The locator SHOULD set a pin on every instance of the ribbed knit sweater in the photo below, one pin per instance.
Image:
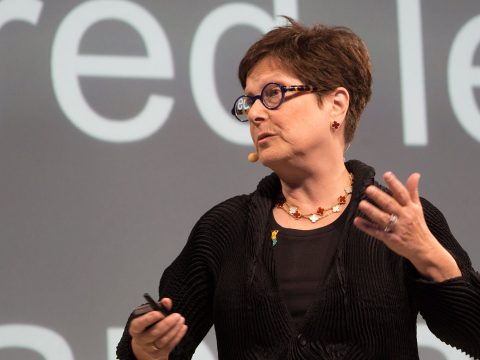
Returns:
(366, 309)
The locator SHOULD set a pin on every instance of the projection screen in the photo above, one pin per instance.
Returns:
(115, 137)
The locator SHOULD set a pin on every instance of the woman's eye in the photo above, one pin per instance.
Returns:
(273, 92)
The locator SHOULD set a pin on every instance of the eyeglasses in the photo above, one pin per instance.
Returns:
(272, 96)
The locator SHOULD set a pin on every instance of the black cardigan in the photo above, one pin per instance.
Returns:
(367, 308)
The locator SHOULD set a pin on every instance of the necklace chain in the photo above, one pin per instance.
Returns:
(321, 212)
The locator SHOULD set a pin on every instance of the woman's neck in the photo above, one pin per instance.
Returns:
(316, 186)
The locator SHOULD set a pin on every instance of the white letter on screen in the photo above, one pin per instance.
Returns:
(114, 334)
(68, 66)
(20, 10)
(412, 73)
(463, 77)
(426, 339)
(49, 344)
(202, 64)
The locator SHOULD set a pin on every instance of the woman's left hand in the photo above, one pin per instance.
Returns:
(397, 220)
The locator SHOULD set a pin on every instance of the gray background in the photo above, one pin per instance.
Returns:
(88, 225)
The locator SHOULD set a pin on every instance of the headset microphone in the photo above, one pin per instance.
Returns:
(252, 157)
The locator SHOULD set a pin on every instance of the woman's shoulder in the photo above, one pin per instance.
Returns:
(231, 210)
(238, 207)
(429, 208)
(434, 218)
(235, 204)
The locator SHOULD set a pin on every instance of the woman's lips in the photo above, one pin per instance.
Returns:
(263, 138)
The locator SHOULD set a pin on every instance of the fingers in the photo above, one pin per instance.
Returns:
(412, 187)
(403, 201)
(378, 216)
(160, 338)
(400, 193)
(396, 219)
(165, 326)
(371, 229)
(155, 335)
(138, 325)
(168, 337)
(365, 225)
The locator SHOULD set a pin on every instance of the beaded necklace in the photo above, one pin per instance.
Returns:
(321, 212)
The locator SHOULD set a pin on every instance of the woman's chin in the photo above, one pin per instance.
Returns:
(273, 161)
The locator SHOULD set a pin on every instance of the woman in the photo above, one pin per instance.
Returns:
(320, 262)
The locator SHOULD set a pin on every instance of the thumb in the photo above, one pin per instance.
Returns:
(167, 302)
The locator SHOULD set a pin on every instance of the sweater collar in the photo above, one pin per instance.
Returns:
(363, 176)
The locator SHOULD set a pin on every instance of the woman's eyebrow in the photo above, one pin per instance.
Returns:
(249, 93)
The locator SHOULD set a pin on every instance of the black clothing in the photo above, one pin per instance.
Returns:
(302, 260)
(367, 308)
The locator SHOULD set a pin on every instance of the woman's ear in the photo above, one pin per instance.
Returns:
(341, 101)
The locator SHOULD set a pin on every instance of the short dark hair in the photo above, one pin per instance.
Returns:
(324, 56)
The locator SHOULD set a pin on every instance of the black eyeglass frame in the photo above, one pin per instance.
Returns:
(284, 89)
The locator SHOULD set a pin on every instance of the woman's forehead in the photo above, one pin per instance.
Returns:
(267, 70)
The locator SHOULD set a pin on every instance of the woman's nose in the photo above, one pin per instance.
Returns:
(257, 112)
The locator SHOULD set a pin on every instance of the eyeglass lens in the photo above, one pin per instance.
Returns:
(271, 98)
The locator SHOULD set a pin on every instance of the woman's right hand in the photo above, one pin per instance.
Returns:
(156, 342)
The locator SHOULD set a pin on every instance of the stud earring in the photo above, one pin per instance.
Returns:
(335, 125)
